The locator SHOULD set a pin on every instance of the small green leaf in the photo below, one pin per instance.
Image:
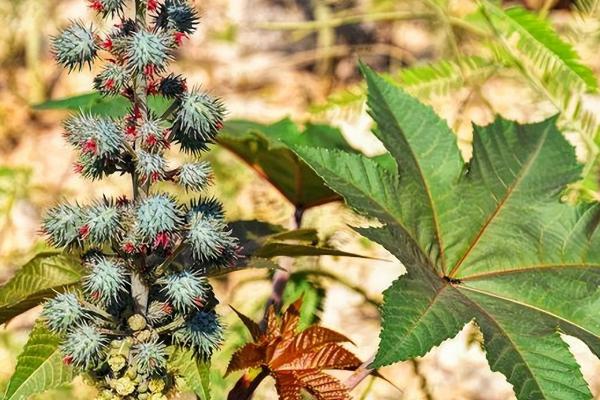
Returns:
(538, 43)
(303, 286)
(196, 373)
(39, 367)
(39, 279)
(262, 240)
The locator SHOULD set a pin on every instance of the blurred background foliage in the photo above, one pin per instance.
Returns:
(277, 59)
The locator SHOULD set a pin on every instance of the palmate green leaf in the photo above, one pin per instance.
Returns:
(486, 241)
(196, 373)
(39, 367)
(43, 276)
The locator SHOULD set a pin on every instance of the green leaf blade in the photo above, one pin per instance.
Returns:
(39, 279)
(39, 367)
(542, 45)
(524, 345)
(520, 263)
(427, 155)
(196, 373)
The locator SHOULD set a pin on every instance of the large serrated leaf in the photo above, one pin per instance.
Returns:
(488, 240)
(39, 367)
(40, 278)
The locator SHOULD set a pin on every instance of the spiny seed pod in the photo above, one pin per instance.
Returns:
(152, 134)
(84, 346)
(177, 15)
(75, 46)
(159, 311)
(148, 49)
(172, 86)
(106, 281)
(208, 207)
(62, 312)
(150, 357)
(156, 214)
(108, 7)
(61, 224)
(112, 80)
(75, 127)
(93, 167)
(184, 290)
(150, 167)
(207, 236)
(97, 136)
(103, 221)
(198, 119)
(229, 256)
(194, 176)
(202, 332)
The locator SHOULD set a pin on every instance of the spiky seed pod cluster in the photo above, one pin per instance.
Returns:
(76, 46)
(203, 332)
(198, 119)
(176, 15)
(107, 279)
(108, 7)
(122, 346)
(112, 80)
(194, 176)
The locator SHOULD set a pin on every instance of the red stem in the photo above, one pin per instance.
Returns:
(245, 386)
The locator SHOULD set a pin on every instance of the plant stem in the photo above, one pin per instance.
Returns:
(245, 386)
(281, 276)
(97, 310)
(139, 290)
(361, 373)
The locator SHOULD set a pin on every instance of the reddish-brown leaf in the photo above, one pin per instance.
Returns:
(250, 356)
(322, 386)
(296, 360)
(328, 356)
(252, 326)
(291, 319)
(272, 323)
(308, 340)
(288, 387)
